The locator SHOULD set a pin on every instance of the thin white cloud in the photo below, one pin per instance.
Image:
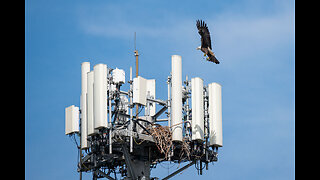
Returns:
(235, 35)
(244, 30)
(114, 21)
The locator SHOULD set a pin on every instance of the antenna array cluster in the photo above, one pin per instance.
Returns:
(114, 140)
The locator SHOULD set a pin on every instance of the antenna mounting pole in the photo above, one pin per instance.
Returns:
(136, 54)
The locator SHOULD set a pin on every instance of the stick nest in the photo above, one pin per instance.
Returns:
(163, 139)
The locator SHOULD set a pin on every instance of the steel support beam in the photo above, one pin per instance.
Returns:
(105, 175)
(179, 170)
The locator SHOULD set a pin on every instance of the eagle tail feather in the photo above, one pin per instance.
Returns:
(214, 59)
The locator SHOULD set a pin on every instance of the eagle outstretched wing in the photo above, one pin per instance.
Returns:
(204, 33)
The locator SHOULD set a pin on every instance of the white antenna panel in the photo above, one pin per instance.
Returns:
(124, 103)
(151, 90)
(90, 115)
(197, 109)
(71, 119)
(118, 76)
(215, 115)
(100, 96)
(139, 90)
(85, 68)
(176, 94)
(112, 87)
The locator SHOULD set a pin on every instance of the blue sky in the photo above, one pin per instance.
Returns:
(253, 39)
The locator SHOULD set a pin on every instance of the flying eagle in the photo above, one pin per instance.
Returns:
(206, 41)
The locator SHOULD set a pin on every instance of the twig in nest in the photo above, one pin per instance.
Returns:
(185, 150)
(163, 139)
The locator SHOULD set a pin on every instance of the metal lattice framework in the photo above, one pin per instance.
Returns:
(128, 145)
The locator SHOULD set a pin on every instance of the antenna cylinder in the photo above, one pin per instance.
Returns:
(176, 102)
(197, 109)
(90, 114)
(215, 115)
(85, 68)
(100, 96)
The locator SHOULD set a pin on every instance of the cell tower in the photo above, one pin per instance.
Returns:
(116, 144)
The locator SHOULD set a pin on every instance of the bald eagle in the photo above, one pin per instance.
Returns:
(206, 41)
